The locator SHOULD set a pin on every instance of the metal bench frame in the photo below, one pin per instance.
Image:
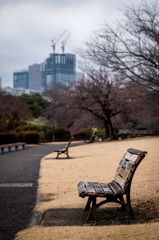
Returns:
(64, 151)
(115, 190)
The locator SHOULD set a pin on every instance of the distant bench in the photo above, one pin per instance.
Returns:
(65, 150)
(116, 190)
(91, 140)
(12, 147)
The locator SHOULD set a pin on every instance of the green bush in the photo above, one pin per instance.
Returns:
(19, 129)
(29, 137)
(81, 135)
(8, 137)
(58, 133)
(31, 127)
(21, 136)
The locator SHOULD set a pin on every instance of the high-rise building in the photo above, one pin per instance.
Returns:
(20, 79)
(60, 70)
(36, 76)
(57, 70)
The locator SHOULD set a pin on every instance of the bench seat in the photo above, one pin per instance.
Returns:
(12, 147)
(98, 189)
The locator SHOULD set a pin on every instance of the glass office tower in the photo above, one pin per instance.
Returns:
(36, 76)
(20, 79)
(60, 70)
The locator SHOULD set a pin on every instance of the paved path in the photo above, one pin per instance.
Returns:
(19, 173)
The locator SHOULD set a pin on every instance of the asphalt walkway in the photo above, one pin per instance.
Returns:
(19, 173)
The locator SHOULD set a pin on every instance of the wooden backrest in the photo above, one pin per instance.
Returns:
(92, 139)
(68, 144)
(127, 167)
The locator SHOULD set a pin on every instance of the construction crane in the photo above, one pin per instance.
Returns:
(55, 40)
(64, 42)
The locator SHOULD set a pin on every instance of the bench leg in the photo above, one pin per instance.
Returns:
(88, 205)
(123, 205)
(94, 208)
(67, 154)
(58, 153)
(128, 204)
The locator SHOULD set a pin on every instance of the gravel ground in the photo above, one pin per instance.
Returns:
(62, 215)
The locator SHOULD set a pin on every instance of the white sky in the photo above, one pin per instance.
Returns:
(28, 26)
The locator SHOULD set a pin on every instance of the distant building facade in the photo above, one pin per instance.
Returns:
(35, 75)
(60, 69)
(57, 70)
(19, 91)
(20, 79)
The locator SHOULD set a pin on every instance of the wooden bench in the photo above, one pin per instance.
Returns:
(117, 191)
(91, 140)
(12, 147)
(64, 151)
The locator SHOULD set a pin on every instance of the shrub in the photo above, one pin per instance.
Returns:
(19, 129)
(21, 137)
(58, 133)
(29, 137)
(8, 137)
(81, 135)
(32, 127)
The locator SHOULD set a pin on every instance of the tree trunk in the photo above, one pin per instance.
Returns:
(106, 129)
(111, 130)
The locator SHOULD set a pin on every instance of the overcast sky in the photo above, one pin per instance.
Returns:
(28, 26)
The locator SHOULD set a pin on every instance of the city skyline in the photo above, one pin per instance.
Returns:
(28, 26)
(57, 70)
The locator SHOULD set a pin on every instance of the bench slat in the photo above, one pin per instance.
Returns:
(115, 187)
(125, 169)
(124, 164)
(120, 181)
(131, 157)
(98, 188)
(136, 151)
(128, 165)
(106, 189)
(90, 189)
(121, 161)
(124, 173)
(81, 189)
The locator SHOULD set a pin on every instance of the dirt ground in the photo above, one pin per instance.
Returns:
(59, 210)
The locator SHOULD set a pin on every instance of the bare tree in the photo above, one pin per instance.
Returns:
(101, 97)
(142, 113)
(59, 112)
(131, 48)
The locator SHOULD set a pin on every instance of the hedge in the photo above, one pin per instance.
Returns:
(29, 137)
(8, 137)
(59, 134)
(29, 127)
(81, 135)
